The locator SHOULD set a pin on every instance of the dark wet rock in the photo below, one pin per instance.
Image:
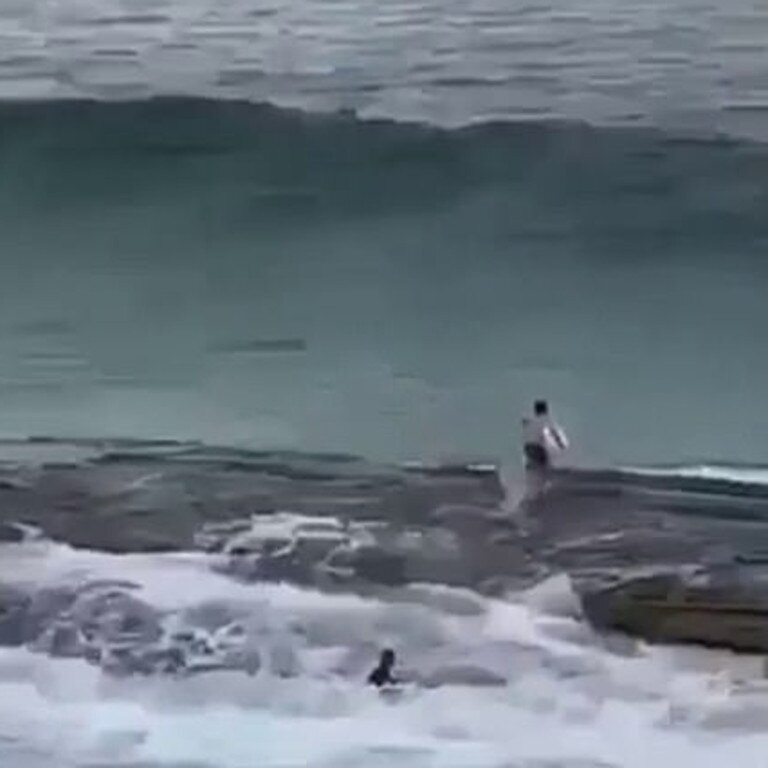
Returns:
(103, 585)
(13, 607)
(162, 660)
(63, 639)
(122, 496)
(295, 561)
(210, 615)
(233, 648)
(199, 645)
(457, 515)
(128, 661)
(12, 484)
(394, 557)
(243, 567)
(463, 674)
(284, 661)
(116, 616)
(45, 606)
(568, 667)
(497, 586)
(283, 565)
(378, 566)
(92, 654)
(707, 608)
(10, 533)
(216, 536)
(249, 660)
(125, 537)
(452, 601)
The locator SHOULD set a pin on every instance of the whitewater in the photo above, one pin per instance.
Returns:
(570, 702)
(515, 678)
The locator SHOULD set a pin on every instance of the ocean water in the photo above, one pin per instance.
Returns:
(686, 63)
(384, 228)
(238, 273)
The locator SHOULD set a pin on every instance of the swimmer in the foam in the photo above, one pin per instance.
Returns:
(382, 674)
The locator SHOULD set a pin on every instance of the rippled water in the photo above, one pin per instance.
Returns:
(690, 63)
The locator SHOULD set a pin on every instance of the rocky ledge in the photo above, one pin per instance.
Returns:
(325, 521)
(711, 607)
(666, 558)
(337, 522)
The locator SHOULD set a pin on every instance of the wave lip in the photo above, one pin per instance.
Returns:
(744, 475)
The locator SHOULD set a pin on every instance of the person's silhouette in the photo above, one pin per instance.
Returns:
(382, 674)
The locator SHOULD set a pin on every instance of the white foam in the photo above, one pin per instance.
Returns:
(565, 701)
(554, 596)
(168, 581)
(737, 474)
(448, 727)
(288, 528)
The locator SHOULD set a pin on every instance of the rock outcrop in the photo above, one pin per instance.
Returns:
(711, 608)
(340, 523)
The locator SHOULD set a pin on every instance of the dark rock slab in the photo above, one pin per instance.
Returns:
(129, 496)
(11, 534)
(13, 606)
(708, 608)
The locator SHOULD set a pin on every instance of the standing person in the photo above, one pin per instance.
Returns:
(542, 437)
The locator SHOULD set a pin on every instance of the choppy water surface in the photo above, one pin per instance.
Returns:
(687, 63)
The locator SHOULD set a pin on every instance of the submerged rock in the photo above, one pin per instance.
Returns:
(114, 615)
(98, 621)
(45, 606)
(284, 660)
(127, 661)
(211, 615)
(463, 674)
(13, 607)
(379, 566)
(63, 639)
(10, 533)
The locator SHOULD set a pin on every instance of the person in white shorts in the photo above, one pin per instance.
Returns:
(542, 438)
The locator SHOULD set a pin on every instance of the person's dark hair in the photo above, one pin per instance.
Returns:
(387, 657)
(540, 407)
